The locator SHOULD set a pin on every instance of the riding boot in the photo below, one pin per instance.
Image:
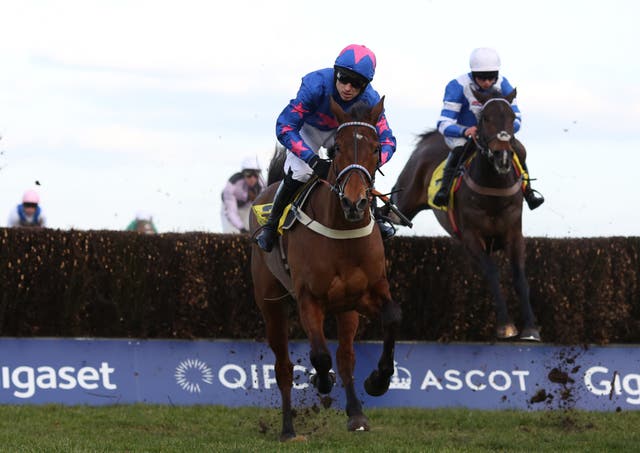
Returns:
(287, 189)
(531, 196)
(386, 229)
(441, 198)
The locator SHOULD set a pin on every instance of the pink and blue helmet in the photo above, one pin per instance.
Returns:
(358, 59)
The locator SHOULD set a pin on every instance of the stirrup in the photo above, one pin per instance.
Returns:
(533, 199)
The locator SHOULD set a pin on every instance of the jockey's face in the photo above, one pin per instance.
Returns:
(347, 91)
(29, 208)
(485, 84)
(250, 177)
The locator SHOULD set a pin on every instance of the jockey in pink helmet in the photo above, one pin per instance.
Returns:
(28, 213)
(306, 125)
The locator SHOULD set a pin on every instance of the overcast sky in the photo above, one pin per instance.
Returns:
(115, 106)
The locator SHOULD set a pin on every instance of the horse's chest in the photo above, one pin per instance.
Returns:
(348, 286)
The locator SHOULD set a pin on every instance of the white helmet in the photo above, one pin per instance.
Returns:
(250, 163)
(484, 59)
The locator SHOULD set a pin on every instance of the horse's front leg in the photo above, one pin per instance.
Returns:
(345, 356)
(378, 381)
(521, 286)
(505, 328)
(312, 319)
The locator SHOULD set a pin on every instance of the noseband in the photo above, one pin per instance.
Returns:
(344, 173)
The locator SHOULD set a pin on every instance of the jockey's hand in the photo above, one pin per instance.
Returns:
(470, 132)
(319, 166)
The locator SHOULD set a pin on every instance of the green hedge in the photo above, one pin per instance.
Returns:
(198, 285)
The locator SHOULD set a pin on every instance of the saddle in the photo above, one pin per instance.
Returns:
(288, 218)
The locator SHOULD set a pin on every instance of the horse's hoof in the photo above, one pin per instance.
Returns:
(323, 384)
(376, 385)
(506, 331)
(530, 334)
(358, 423)
(292, 437)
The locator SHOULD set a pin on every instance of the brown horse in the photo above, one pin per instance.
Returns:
(487, 207)
(337, 267)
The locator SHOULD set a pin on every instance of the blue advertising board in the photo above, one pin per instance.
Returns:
(241, 373)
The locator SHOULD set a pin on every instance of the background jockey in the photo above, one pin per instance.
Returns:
(238, 194)
(307, 124)
(28, 213)
(459, 117)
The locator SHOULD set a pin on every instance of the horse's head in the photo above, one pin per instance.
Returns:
(356, 156)
(495, 129)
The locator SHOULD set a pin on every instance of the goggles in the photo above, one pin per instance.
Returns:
(356, 81)
(486, 75)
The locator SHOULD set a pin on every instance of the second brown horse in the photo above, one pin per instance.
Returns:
(486, 210)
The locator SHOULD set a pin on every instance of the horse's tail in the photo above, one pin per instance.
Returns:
(276, 166)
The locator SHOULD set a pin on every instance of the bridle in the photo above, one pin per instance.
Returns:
(343, 176)
(503, 136)
(483, 142)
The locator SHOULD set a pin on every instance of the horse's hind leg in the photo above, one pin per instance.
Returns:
(347, 328)
(273, 300)
(276, 321)
(521, 286)
(378, 381)
(312, 319)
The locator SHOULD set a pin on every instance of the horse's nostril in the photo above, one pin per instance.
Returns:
(362, 204)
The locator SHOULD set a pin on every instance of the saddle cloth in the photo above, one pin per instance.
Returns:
(436, 180)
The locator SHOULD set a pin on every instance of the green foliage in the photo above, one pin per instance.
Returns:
(139, 428)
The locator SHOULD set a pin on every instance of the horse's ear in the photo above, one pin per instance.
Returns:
(511, 96)
(337, 111)
(377, 111)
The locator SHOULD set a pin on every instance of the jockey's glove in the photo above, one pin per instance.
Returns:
(319, 166)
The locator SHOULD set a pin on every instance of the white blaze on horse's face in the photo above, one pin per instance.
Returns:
(501, 161)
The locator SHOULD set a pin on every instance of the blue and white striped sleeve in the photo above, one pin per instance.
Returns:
(452, 104)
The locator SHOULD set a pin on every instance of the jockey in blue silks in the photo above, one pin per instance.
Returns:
(459, 117)
(28, 213)
(307, 124)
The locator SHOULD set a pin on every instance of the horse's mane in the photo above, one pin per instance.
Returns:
(275, 172)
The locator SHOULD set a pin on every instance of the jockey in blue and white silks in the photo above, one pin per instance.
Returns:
(458, 120)
(306, 124)
(461, 109)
